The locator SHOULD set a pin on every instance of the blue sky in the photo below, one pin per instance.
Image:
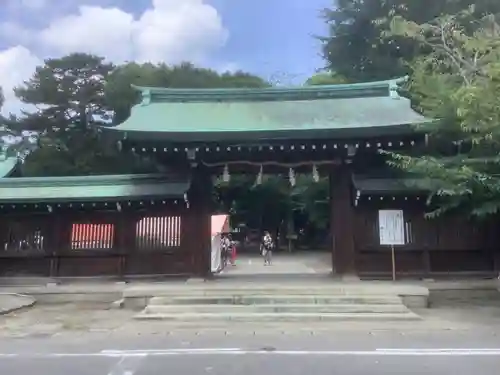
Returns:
(271, 38)
(274, 36)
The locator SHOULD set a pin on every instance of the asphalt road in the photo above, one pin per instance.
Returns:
(454, 353)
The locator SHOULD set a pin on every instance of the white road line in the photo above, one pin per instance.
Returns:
(64, 355)
(127, 365)
(139, 354)
(175, 351)
(439, 349)
(376, 352)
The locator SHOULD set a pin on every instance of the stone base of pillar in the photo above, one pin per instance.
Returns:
(350, 277)
(196, 280)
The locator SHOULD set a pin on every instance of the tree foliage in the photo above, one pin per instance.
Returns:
(68, 92)
(276, 205)
(458, 83)
(357, 48)
(326, 79)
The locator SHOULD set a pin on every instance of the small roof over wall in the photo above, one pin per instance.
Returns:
(367, 185)
(92, 188)
(402, 187)
(7, 165)
(14, 149)
(315, 112)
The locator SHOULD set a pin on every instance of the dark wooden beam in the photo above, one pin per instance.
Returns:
(197, 231)
(342, 221)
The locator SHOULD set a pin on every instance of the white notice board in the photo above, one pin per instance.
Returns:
(391, 227)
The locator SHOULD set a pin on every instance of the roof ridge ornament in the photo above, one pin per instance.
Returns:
(258, 180)
(394, 86)
(315, 173)
(146, 97)
(291, 177)
(226, 177)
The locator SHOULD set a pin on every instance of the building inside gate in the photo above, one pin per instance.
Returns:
(160, 224)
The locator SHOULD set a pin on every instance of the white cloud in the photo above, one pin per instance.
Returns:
(170, 31)
(16, 65)
(102, 31)
(176, 30)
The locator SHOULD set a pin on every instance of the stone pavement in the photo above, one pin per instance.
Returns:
(283, 264)
(85, 306)
(86, 319)
(97, 320)
(11, 302)
(255, 266)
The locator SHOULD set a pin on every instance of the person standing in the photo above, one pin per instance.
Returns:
(267, 246)
(233, 252)
(225, 249)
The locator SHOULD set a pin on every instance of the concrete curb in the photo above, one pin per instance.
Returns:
(279, 317)
(10, 302)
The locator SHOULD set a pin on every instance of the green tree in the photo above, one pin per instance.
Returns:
(325, 79)
(356, 48)
(68, 93)
(275, 204)
(458, 83)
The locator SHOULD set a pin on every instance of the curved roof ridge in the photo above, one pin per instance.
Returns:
(350, 90)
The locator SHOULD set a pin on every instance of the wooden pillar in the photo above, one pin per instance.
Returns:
(492, 239)
(125, 226)
(188, 248)
(199, 221)
(54, 244)
(4, 230)
(342, 221)
(63, 241)
(426, 260)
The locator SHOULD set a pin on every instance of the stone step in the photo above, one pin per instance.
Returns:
(25, 281)
(284, 289)
(268, 291)
(204, 318)
(249, 299)
(257, 292)
(276, 308)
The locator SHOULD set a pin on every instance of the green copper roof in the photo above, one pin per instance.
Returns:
(91, 188)
(198, 115)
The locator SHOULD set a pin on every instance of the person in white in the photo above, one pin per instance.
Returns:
(267, 246)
